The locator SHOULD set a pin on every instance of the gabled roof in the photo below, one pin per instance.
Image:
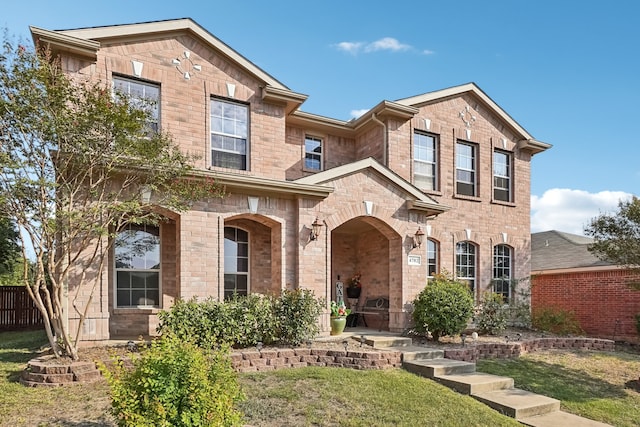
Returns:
(555, 250)
(526, 143)
(417, 199)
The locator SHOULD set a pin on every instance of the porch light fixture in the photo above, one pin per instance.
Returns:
(417, 238)
(315, 229)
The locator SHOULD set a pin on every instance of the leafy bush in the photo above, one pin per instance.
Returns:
(297, 313)
(444, 307)
(175, 383)
(243, 321)
(492, 314)
(556, 320)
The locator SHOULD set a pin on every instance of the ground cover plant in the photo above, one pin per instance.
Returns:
(333, 396)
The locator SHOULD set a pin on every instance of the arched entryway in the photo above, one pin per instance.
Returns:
(252, 255)
(372, 249)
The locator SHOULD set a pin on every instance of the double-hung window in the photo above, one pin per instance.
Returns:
(466, 167)
(229, 134)
(502, 271)
(466, 264)
(501, 176)
(142, 95)
(425, 165)
(312, 153)
(137, 266)
(432, 258)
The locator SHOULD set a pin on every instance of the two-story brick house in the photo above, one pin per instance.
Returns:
(310, 198)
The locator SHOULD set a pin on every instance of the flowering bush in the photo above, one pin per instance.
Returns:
(339, 310)
(355, 282)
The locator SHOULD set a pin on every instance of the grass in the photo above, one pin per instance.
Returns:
(589, 384)
(601, 386)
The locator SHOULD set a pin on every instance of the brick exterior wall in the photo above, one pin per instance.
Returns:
(282, 257)
(602, 301)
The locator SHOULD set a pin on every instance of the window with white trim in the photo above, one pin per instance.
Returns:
(466, 264)
(137, 266)
(425, 167)
(466, 177)
(432, 258)
(142, 95)
(502, 176)
(229, 134)
(312, 153)
(502, 271)
(236, 262)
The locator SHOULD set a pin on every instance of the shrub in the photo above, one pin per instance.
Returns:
(444, 307)
(175, 383)
(492, 314)
(297, 313)
(243, 321)
(556, 320)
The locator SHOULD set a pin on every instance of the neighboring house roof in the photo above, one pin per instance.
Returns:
(418, 200)
(555, 250)
(527, 142)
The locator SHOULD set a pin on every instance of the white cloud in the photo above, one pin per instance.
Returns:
(428, 52)
(351, 47)
(569, 210)
(357, 113)
(386, 43)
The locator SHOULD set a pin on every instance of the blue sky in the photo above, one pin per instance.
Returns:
(567, 71)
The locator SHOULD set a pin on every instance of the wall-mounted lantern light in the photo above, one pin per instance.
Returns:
(315, 229)
(417, 238)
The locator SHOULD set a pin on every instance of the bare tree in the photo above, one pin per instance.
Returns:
(75, 161)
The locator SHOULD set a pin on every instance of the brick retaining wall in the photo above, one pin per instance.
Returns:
(266, 360)
(474, 352)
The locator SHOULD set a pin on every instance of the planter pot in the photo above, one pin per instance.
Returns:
(338, 324)
(353, 292)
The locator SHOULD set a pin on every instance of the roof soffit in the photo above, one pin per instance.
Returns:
(416, 198)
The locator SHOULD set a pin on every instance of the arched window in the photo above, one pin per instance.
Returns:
(236, 262)
(502, 271)
(137, 266)
(432, 258)
(466, 264)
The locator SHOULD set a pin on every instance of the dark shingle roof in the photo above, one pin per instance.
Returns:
(552, 250)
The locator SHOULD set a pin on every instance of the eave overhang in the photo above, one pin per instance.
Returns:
(533, 146)
(58, 42)
(252, 184)
(291, 100)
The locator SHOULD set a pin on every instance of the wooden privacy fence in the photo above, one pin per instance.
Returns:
(17, 309)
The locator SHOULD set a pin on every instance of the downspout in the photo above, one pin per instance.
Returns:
(384, 138)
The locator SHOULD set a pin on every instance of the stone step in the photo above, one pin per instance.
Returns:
(438, 367)
(518, 403)
(560, 419)
(419, 353)
(475, 382)
(387, 341)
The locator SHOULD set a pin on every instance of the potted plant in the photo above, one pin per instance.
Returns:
(339, 313)
(354, 287)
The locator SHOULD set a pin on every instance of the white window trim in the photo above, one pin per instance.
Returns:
(248, 258)
(320, 139)
(435, 163)
(247, 153)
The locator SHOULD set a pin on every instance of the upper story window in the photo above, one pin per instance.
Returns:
(425, 167)
(432, 258)
(466, 167)
(312, 153)
(229, 134)
(466, 264)
(502, 176)
(142, 95)
(137, 266)
(502, 271)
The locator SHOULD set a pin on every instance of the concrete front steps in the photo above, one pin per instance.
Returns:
(495, 391)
